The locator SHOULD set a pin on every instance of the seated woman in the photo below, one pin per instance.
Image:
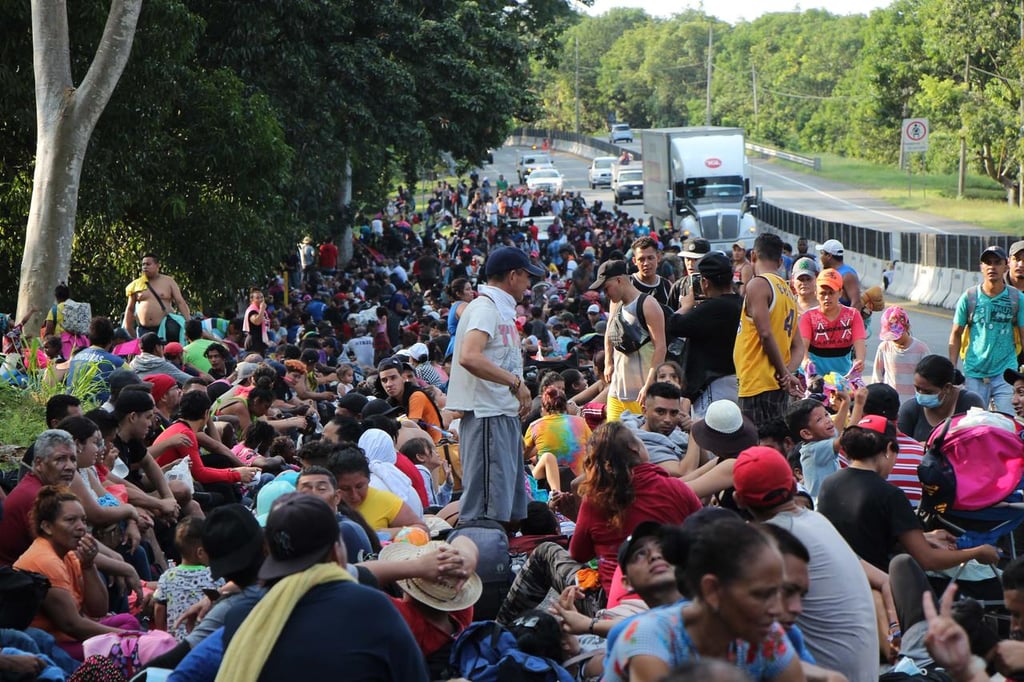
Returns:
(75, 608)
(621, 489)
(732, 574)
(937, 396)
(555, 440)
(392, 473)
(384, 511)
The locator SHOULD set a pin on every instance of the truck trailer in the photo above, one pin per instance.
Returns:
(696, 180)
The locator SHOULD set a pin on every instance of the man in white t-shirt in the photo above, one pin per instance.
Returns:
(487, 386)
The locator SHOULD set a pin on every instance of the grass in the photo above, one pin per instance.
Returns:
(984, 204)
(24, 418)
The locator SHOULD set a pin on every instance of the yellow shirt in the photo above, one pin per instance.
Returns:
(754, 370)
(380, 508)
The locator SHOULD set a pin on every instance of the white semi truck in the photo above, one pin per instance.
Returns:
(696, 180)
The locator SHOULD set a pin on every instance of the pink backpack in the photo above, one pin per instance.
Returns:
(130, 651)
(971, 467)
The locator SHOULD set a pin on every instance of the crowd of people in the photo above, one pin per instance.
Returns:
(594, 451)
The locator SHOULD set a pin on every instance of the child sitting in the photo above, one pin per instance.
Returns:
(256, 441)
(182, 586)
(810, 423)
(428, 460)
(898, 353)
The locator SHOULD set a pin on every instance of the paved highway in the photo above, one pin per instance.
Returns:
(930, 324)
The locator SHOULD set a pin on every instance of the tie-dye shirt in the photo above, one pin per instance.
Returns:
(563, 435)
(660, 633)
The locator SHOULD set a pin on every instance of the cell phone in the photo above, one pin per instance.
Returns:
(697, 285)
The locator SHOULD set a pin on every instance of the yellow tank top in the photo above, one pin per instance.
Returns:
(753, 368)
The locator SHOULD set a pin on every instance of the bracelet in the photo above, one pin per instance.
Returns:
(514, 388)
(593, 622)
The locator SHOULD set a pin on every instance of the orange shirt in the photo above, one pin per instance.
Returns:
(64, 574)
(421, 409)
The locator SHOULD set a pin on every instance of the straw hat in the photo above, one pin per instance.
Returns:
(436, 595)
(436, 525)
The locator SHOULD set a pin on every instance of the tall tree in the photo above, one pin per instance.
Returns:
(65, 119)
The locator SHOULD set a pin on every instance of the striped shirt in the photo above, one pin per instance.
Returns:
(895, 366)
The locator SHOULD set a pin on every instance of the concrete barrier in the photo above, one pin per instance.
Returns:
(926, 277)
(903, 280)
(940, 290)
(960, 282)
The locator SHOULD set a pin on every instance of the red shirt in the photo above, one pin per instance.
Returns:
(328, 256)
(15, 533)
(660, 497)
(429, 637)
(200, 471)
(405, 465)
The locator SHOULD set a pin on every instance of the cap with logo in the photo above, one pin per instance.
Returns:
(608, 270)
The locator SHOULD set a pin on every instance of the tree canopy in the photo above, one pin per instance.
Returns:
(235, 127)
(809, 81)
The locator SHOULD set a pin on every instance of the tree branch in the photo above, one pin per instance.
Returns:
(108, 64)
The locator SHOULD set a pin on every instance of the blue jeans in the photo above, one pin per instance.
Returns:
(993, 389)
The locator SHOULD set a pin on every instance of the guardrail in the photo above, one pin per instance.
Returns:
(582, 141)
(809, 161)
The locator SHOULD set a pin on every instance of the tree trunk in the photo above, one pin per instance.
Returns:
(65, 119)
(345, 248)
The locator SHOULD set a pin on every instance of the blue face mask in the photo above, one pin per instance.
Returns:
(927, 400)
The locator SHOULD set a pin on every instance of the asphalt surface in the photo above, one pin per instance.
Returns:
(794, 191)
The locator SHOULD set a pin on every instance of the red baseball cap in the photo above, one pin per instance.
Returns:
(173, 348)
(762, 478)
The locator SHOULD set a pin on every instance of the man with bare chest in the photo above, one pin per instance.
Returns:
(151, 298)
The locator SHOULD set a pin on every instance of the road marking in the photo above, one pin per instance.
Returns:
(761, 169)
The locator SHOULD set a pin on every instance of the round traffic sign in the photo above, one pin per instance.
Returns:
(916, 130)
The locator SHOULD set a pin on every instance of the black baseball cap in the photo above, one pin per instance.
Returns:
(645, 529)
(715, 266)
(695, 247)
(609, 269)
(996, 251)
(232, 538)
(353, 402)
(378, 406)
(301, 529)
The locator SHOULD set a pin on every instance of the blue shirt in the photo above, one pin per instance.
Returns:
(818, 460)
(991, 349)
(105, 364)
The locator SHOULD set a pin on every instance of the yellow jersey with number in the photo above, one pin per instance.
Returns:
(754, 370)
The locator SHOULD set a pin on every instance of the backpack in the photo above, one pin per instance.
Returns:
(494, 564)
(77, 316)
(486, 652)
(676, 349)
(21, 595)
(969, 467)
(972, 303)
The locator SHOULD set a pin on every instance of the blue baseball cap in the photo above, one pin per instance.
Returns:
(507, 258)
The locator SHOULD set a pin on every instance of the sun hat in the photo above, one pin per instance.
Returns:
(435, 594)
(724, 430)
(762, 478)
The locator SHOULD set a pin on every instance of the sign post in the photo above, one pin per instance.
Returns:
(913, 138)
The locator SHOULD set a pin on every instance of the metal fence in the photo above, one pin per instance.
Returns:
(870, 242)
(585, 140)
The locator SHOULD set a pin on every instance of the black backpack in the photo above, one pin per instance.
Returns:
(21, 595)
(676, 349)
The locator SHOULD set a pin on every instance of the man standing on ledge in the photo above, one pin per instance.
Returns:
(150, 298)
(487, 386)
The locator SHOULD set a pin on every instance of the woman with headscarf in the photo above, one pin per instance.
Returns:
(384, 474)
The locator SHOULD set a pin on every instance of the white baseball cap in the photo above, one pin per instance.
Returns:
(832, 246)
(594, 308)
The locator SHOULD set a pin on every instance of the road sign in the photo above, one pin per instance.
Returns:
(915, 135)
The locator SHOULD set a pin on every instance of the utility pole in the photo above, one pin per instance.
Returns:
(753, 85)
(577, 85)
(708, 114)
(961, 180)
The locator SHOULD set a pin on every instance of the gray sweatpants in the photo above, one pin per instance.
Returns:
(493, 482)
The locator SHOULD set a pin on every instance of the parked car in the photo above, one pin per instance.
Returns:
(546, 180)
(621, 132)
(628, 184)
(601, 171)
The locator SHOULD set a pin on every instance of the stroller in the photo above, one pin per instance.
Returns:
(971, 482)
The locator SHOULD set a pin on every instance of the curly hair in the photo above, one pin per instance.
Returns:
(612, 452)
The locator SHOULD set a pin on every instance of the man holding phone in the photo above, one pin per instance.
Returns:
(709, 315)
